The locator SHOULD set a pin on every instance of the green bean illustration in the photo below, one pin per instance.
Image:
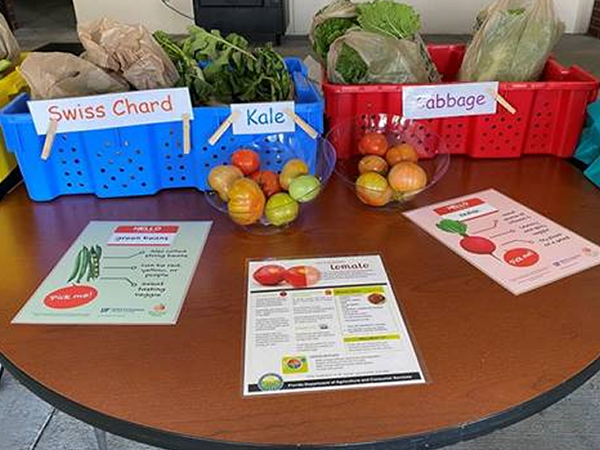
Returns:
(86, 257)
(87, 264)
(76, 268)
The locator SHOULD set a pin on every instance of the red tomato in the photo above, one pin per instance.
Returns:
(268, 182)
(302, 276)
(269, 275)
(373, 144)
(246, 160)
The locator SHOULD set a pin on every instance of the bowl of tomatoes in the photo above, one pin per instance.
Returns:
(393, 159)
(268, 183)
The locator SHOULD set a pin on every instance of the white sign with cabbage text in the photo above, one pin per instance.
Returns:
(449, 100)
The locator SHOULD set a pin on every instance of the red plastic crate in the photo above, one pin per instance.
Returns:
(550, 113)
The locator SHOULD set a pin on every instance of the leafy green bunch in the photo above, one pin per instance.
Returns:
(226, 69)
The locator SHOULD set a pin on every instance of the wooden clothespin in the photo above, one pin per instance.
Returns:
(223, 128)
(187, 138)
(302, 124)
(50, 135)
(510, 108)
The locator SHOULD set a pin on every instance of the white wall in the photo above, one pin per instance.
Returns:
(152, 13)
(453, 16)
(438, 16)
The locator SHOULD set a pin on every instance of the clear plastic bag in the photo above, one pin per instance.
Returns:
(61, 75)
(330, 23)
(129, 50)
(362, 57)
(9, 47)
(512, 41)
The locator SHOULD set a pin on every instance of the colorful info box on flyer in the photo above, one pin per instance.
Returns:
(322, 324)
(120, 273)
(517, 247)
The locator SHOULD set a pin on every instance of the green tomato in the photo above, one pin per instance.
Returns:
(281, 209)
(305, 188)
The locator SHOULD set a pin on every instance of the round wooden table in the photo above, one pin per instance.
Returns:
(492, 358)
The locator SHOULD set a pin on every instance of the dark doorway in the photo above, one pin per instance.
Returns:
(44, 14)
(595, 23)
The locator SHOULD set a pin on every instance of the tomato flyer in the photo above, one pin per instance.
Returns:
(120, 273)
(517, 247)
(322, 324)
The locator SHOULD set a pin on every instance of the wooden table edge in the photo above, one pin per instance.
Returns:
(431, 440)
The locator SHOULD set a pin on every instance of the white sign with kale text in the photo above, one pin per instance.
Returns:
(263, 118)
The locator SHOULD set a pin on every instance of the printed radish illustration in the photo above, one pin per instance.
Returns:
(477, 245)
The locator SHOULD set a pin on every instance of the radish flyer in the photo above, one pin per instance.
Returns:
(515, 246)
(323, 324)
(120, 273)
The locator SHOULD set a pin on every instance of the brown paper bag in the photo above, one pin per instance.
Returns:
(129, 50)
(60, 75)
(9, 47)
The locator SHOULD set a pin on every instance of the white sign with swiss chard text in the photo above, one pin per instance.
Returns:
(263, 118)
(124, 109)
(450, 100)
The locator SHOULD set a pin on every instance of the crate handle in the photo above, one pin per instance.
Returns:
(187, 142)
(500, 99)
(50, 135)
(302, 124)
(223, 128)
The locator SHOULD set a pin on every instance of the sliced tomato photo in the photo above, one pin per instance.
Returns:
(302, 276)
(270, 275)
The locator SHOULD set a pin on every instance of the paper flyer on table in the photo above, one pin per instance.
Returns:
(322, 324)
(120, 273)
(517, 247)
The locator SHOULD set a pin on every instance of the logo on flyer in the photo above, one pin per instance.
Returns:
(295, 364)
(270, 382)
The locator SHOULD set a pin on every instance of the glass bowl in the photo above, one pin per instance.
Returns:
(427, 145)
(274, 214)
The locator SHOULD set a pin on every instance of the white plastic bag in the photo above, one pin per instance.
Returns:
(362, 57)
(512, 42)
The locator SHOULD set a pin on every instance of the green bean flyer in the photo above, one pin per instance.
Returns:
(120, 273)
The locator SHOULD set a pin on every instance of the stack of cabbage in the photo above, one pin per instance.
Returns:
(512, 41)
(374, 42)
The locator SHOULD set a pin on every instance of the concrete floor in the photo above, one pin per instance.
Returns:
(573, 424)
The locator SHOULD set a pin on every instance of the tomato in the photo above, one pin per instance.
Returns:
(372, 163)
(268, 181)
(302, 276)
(305, 188)
(373, 189)
(281, 209)
(292, 169)
(246, 160)
(221, 179)
(271, 275)
(407, 177)
(246, 202)
(401, 153)
(373, 144)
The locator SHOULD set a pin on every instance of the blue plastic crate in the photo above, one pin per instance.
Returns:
(144, 159)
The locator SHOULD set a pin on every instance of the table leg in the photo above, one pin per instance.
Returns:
(1, 372)
(101, 439)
